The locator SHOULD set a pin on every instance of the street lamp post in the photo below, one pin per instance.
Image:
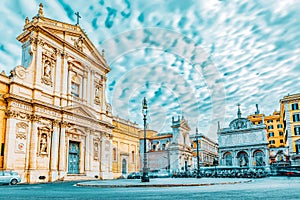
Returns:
(145, 177)
(198, 163)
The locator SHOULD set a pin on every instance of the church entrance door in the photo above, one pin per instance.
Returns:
(73, 161)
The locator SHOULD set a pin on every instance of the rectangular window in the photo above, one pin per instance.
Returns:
(271, 134)
(279, 125)
(295, 106)
(75, 89)
(270, 127)
(281, 141)
(296, 117)
(297, 130)
(269, 121)
(272, 142)
(280, 133)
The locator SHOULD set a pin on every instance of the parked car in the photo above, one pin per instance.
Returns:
(134, 175)
(9, 177)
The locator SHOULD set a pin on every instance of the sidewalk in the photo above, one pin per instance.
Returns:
(162, 182)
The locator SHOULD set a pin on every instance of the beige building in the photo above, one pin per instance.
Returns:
(170, 150)
(290, 113)
(208, 150)
(125, 152)
(58, 123)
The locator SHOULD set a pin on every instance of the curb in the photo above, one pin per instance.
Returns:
(159, 185)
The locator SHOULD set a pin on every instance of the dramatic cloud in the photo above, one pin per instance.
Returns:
(192, 58)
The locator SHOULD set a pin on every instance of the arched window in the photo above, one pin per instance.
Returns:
(259, 158)
(228, 159)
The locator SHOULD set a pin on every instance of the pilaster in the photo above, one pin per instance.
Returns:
(54, 152)
(288, 128)
(62, 149)
(10, 143)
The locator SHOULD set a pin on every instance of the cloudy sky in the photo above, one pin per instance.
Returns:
(198, 59)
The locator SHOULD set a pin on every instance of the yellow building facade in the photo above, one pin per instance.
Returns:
(4, 80)
(277, 143)
(126, 145)
(275, 128)
(290, 113)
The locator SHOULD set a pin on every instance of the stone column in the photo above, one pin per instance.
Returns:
(54, 152)
(110, 156)
(57, 79)
(33, 149)
(82, 158)
(38, 64)
(62, 150)
(69, 85)
(88, 87)
(10, 143)
(267, 156)
(88, 150)
(234, 161)
(92, 94)
(84, 86)
(250, 155)
(102, 155)
(64, 81)
(33, 143)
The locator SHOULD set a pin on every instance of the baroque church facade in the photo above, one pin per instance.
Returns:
(169, 151)
(57, 120)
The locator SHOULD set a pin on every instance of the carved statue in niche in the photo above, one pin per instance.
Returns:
(43, 143)
(47, 71)
(97, 95)
(98, 88)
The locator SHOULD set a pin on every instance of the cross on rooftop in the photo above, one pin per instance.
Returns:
(78, 16)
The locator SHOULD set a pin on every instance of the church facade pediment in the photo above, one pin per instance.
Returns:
(78, 110)
(68, 35)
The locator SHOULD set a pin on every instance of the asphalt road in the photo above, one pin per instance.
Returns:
(282, 188)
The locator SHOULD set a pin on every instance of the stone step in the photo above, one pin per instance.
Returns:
(78, 177)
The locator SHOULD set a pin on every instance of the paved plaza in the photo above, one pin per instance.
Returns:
(163, 182)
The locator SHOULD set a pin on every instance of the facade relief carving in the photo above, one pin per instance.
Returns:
(21, 137)
(78, 43)
(20, 72)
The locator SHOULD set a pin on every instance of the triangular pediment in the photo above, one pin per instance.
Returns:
(78, 110)
(70, 36)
